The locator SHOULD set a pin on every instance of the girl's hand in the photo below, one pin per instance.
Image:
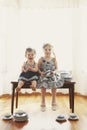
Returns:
(30, 68)
(25, 70)
(52, 72)
(42, 73)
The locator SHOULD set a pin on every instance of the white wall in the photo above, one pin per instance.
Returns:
(22, 26)
(26, 27)
(80, 49)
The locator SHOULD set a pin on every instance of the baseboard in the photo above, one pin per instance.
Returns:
(38, 94)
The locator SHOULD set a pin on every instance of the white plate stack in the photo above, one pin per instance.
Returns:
(20, 116)
(66, 75)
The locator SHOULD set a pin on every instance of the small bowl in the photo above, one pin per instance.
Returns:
(7, 115)
(73, 115)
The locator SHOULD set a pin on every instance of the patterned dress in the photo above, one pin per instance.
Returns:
(50, 80)
(29, 75)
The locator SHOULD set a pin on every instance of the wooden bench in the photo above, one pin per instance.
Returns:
(67, 85)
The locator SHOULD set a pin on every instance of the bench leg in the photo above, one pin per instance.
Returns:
(70, 97)
(16, 99)
(12, 101)
(73, 99)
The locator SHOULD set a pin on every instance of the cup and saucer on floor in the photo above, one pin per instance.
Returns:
(7, 116)
(61, 118)
(21, 116)
(73, 117)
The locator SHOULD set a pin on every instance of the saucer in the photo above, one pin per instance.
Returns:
(61, 118)
(7, 118)
(73, 116)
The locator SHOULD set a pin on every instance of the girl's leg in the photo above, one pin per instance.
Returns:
(54, 105)
(20, 84)
(33, 85)
(43, 93)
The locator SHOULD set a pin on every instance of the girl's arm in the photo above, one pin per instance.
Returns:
(39, 65)
(56, 65)
(23, 67)
(55, 61)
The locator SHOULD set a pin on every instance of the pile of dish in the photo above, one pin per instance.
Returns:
(73, 116)
(66, 75)
(20, 116)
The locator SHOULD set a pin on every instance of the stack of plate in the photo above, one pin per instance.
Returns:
(73, 116)
(61, 118)
(67, 76)
(20, 116)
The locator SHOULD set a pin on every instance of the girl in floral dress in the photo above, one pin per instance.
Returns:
(49, 79)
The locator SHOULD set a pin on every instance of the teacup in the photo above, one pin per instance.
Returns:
(61, 116)
(7, 115)
(73, 115)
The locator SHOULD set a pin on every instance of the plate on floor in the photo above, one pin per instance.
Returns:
(7, 118)
(61, 118)
(73, 116)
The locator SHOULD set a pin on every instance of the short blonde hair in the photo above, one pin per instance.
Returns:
(47, 44)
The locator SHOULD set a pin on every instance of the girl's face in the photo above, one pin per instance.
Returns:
(47, 50)
(30, 55)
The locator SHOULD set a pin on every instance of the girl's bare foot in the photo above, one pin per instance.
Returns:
(43, 107)
(54, 106)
